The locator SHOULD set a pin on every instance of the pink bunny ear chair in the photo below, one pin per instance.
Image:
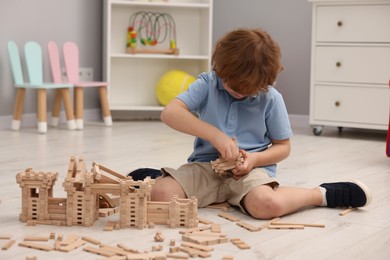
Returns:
(71, 58)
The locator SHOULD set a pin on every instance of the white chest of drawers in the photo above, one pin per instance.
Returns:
(350, 64)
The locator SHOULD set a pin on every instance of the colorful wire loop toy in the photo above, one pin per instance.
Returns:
(151, 29)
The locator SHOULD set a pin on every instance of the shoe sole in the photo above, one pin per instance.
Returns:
(366, 190)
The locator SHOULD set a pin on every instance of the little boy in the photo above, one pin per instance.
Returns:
(237, 100)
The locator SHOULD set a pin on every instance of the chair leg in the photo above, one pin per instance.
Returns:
(55, 114)
(78, 107)
(41, 110)
(105, 107)
(18, 108)
(68, 108)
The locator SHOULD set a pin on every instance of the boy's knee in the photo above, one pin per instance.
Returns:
(165, 188)
(264, 208)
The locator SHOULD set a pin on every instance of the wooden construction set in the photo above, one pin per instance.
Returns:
(88, 191)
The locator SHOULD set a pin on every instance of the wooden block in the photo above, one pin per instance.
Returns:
(286, 226)
(266, 224)
(227, 257)
(248, 226)
(91, 240)
(204, 221)
(32, 238)
(116, 250)
(35, 246)
(190, 230)
(197, 246)
(228, 216)
(8, 244)
(195, 252)
(109, 226)
(74, 245)
(5, 237)
(346, 211)
(131, 250)
(70, 239)
(98, 251)
(177, 256)
(301, 224)
(215, 228)
(31, 257)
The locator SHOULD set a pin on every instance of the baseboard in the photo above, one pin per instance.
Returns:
(30, 120)
(94, 115)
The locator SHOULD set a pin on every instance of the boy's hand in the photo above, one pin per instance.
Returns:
(245, 167)
(226, 146)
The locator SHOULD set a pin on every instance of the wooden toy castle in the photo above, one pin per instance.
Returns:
(89, 191)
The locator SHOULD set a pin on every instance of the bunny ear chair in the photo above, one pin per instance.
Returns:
(71, 60)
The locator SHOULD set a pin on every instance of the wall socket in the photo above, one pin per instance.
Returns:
(85, 74)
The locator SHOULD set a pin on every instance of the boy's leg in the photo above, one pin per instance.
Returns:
(264, 202)
(165, 188)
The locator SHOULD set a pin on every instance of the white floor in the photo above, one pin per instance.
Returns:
(362, 234)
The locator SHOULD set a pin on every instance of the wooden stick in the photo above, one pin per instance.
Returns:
(272, 226)
(265, 225)
(32, 238)
(8, 244)
(346, 211)
(91, 240)
(300, 224)
(35, 246)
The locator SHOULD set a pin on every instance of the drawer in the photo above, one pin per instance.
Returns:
(352, 64)
(351, 104)
(356, 23)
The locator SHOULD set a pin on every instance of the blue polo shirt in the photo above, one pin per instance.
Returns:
(253, 120)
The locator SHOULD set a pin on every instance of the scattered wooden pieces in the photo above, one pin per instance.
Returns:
(346, 211)
(71, 246)
(8, 244)
(272, 226)
(239, 243)
(159, 237)
(299, 224)
(248, 226)
(91, 240)
(266, 224)
(33, 238)
(35, 246)
(204, 221)
(228, 216)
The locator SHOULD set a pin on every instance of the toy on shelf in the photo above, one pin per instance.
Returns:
(150, 29)
(87, 190)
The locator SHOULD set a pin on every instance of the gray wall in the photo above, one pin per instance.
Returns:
(289, 22)
(44, 20)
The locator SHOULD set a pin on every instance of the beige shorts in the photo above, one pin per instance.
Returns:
(199, 179)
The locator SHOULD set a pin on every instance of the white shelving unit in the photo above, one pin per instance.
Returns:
(133, 77)
(350, 66)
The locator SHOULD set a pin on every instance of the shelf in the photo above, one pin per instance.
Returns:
(133, 77)
(159, 56)
(160, 4)
(137, 108)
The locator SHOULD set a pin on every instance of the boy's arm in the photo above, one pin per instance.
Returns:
(177, 115)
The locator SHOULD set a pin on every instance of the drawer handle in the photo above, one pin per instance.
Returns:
(337, 103)
(339, 23)
(338, 64)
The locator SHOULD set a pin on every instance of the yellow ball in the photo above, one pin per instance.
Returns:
(172, 84)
